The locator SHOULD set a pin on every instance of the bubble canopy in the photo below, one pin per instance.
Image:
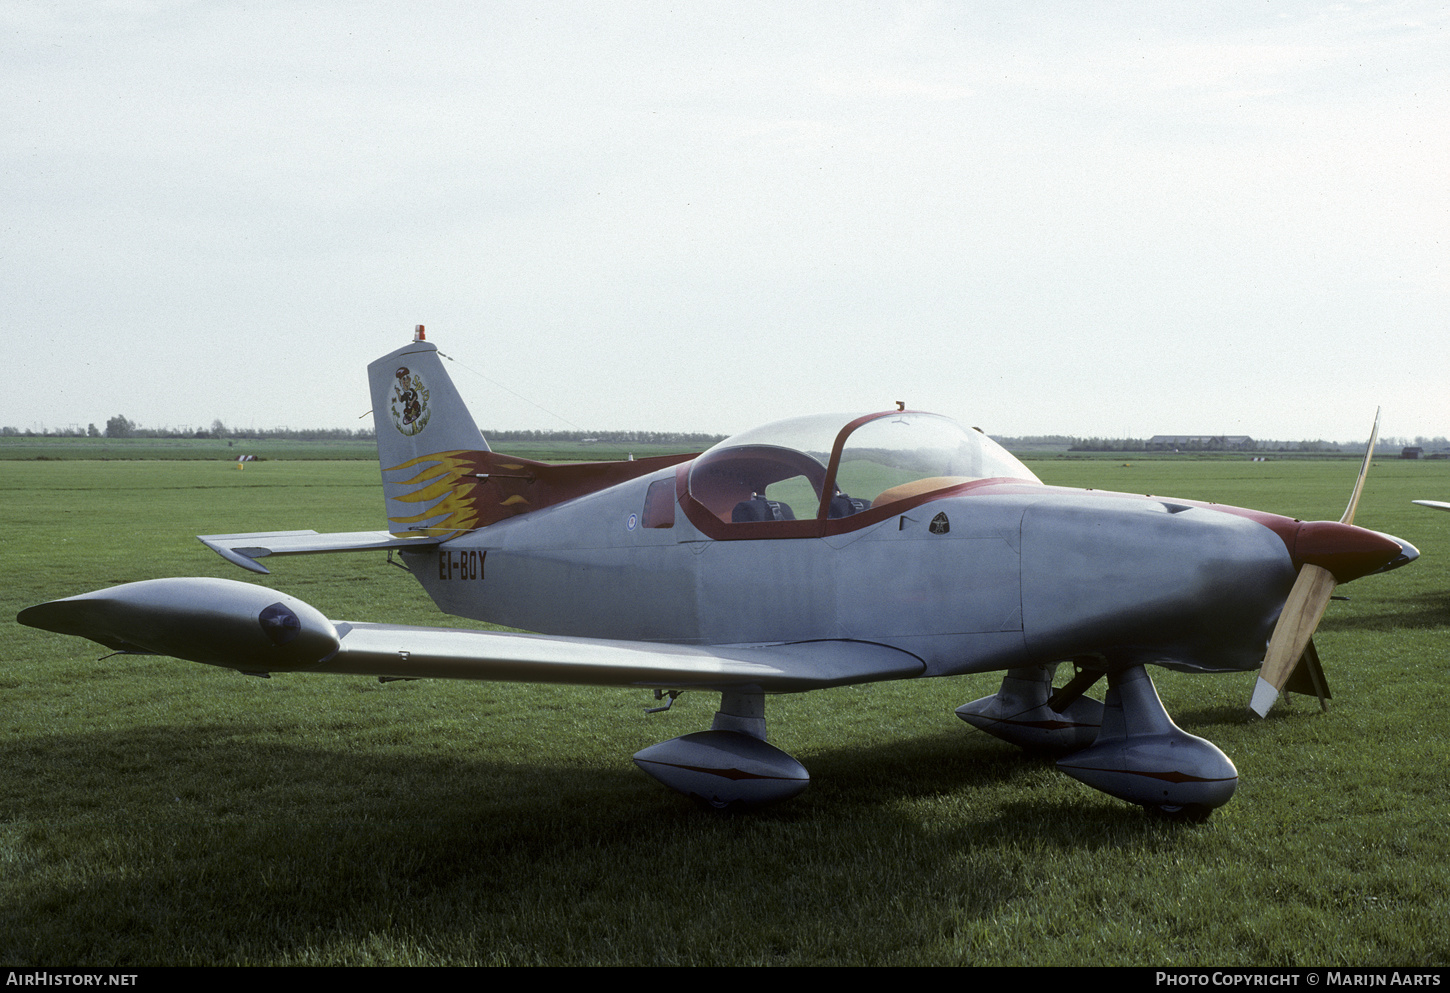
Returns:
(829, 473)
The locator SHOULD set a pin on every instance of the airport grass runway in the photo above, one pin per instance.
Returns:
(166, 813)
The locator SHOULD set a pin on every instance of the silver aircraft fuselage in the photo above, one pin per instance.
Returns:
(1033, 575)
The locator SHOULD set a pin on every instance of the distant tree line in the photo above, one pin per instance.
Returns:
(121, 426)
(1384, 446)
(694, 439)
(1107, 445)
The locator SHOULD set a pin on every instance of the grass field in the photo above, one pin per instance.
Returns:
(161, 812)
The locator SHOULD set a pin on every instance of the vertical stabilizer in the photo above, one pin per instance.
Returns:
(425, 434)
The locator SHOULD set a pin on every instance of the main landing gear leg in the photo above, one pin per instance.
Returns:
(1019, 714)
(1143, 757)
(731, 765)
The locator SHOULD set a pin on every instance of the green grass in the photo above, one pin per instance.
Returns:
(160, 812)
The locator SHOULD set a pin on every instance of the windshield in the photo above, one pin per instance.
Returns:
(905, 454)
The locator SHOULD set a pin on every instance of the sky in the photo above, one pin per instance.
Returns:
(1112, 219)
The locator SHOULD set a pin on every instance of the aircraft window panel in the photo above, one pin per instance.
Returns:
(725, 480)
(718, 492)
(796, 493)
(659, 504)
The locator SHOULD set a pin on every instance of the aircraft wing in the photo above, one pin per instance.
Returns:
(1437, 504)
(245, 549)
(444, 653)
(258, 630)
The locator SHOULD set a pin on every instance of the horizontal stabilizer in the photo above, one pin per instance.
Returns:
(245, 549)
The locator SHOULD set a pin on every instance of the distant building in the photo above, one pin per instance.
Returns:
(1200, 443)
(1411, 452)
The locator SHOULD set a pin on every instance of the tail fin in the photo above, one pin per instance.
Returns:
(439, 475)
(425, 438)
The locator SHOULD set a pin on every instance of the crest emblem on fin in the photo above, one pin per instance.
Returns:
(409, 402)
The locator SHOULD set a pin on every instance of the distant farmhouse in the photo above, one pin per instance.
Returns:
(1200, 443)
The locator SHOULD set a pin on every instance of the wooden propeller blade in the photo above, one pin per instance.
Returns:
(1304, 608)
(1301, 615)
(1374, 434)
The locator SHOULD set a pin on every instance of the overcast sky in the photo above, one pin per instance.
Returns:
(1113, 218)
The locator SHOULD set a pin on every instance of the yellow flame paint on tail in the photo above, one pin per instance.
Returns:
(447, 480)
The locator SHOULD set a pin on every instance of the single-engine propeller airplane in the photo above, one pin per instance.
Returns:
(810, 553)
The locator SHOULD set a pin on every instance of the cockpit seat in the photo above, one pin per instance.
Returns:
(842, 505)
(758, 508)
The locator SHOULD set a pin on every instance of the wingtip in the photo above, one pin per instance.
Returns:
(232, 555)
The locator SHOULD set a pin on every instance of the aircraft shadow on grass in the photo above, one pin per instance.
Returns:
(170, 775)
(1420, 612)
